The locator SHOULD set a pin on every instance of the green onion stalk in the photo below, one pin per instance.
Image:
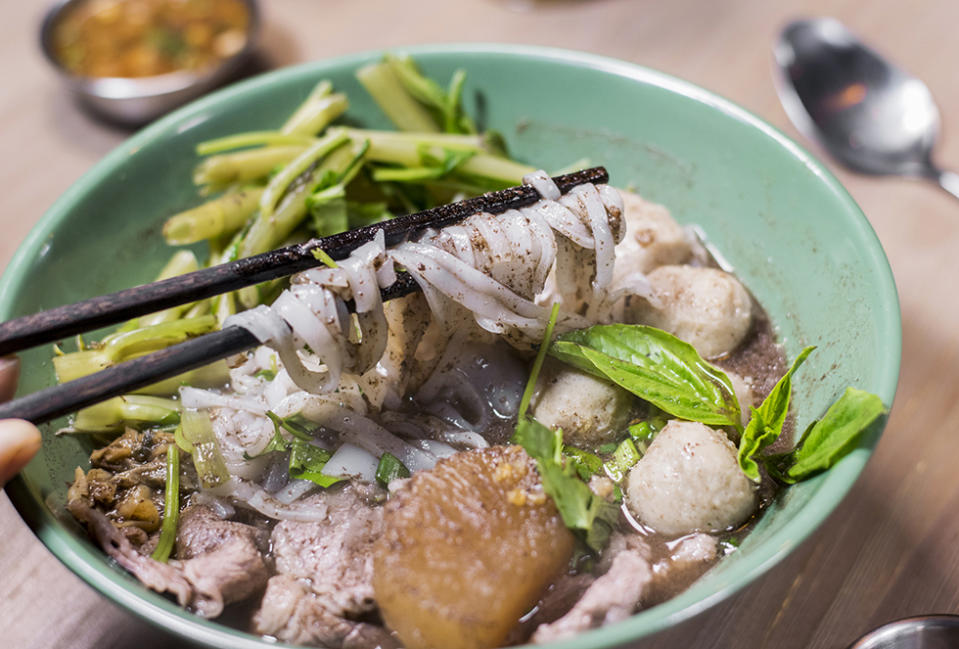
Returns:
(171, 506)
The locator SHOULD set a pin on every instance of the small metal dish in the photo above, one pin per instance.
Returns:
(135, 101)
(922, 632)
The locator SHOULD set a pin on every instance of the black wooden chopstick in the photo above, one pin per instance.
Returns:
(123, 378)
(61, 322)
(50, 403)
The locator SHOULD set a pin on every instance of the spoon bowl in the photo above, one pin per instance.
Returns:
(869, 114)
(923, 632)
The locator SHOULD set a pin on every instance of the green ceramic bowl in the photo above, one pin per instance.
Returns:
(793, 234)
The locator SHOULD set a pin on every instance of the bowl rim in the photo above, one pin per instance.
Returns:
(141, 87)
(831, 487)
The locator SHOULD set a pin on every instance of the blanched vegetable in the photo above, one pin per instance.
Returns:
(197, 431)
(216, 218)
(131, 409)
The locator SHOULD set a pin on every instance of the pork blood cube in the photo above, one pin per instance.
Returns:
(468, 548)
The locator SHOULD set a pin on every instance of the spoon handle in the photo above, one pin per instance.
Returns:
(948, 180)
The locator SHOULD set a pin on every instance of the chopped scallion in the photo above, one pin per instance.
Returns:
(171, 506)
(390, 468)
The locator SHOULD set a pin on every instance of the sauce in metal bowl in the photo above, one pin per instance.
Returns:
(143, 38)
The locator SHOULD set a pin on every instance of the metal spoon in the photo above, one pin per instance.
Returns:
(924, 632)
(869, 114)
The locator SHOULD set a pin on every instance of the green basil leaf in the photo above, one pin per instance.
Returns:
(830, 439)
(579, 507)
(307, 462)
(538, 440)
(766, 424)
(655, 366)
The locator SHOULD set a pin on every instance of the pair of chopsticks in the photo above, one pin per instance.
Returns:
(61, 322)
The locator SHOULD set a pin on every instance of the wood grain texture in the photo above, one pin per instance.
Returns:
(890, 549)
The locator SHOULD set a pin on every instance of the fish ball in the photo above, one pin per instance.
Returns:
(590, 411)
(689, 481)
(652, 239)
(706, 307)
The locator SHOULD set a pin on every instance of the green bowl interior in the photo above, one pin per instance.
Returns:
(793, 234)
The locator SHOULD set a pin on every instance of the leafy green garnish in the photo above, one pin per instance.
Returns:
(327, 207)
(538, 363)
(390, 468)
(306, 460)
(269, 374)
(655, 366)
(823, 443)
(767, 421)
(579, 507)
(828, 440)
(359, 214)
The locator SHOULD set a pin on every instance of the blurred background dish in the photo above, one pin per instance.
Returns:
(132, 61)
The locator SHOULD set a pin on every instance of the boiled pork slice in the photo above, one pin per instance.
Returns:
(324, 574)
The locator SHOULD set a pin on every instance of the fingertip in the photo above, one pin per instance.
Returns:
(19, 442)
(9, 374)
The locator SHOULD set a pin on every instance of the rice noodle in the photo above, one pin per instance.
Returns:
(543, 184)
(491, 269)
(494, 266)
(256, 497)
(200, 399)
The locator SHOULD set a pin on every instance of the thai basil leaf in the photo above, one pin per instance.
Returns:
(580, 508)
(655, 366)
(830, 439)
(766, 424)
(538, 440)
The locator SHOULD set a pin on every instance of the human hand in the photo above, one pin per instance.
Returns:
(19, 439)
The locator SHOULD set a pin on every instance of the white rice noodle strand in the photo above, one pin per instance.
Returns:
(542, 183)
(494, 266)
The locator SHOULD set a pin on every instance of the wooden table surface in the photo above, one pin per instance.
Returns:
(892, 547)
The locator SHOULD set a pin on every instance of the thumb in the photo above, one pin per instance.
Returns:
(19, 442)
